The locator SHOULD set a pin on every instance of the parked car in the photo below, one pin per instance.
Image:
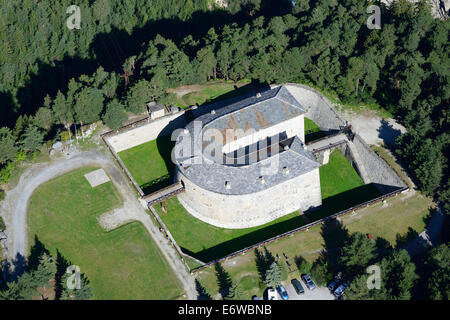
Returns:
(308, 281)
(271, 294)
(283, 292)
(340, 290)
(297, 286)
(333, 285)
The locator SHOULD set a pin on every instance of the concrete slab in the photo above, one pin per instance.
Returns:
(97, 177)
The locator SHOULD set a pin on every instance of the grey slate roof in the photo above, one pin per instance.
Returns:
(275, 105)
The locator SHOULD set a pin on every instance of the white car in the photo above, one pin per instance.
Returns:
(271, 294)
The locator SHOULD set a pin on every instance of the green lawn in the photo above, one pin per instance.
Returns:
(150, 163)
(207, 242)
(338, 175)
(120, 264)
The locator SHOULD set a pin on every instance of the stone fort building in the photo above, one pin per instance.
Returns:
(246, 163)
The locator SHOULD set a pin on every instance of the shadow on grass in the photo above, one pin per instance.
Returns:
(334, 235)
(344, 200)
(223, 280)
(165, 146)
(230, 246)
(402, 240)
(36, 252)
(330, 206)
(263, 261)
(201, 291)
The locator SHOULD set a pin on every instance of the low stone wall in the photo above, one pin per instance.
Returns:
(379, 172)
(146, 131)
(319, 108)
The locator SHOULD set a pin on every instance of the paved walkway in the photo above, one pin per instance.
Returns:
(14, 209)
(326, 142)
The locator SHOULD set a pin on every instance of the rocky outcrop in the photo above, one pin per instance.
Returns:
(439, 8)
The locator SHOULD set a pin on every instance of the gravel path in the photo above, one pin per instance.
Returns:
(14, 208)
(372, 128)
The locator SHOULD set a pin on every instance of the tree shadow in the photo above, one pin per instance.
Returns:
(201, 291)
(19, 267)
(263, 261)
(303, 265)
(334, 235)
(402, 240)
(9, 112)
(383, 247)
(223, 280)
(388, 134)
(61, 267)
(36, 252)
(49, 79)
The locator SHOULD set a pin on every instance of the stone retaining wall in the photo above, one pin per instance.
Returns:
(319, 108)
(379, 172)
(146, 131)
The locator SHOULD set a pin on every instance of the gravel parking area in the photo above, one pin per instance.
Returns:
(319, 293)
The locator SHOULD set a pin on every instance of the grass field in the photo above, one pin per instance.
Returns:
(402, 213)
(150, 163)
(121, 264)
(206, 242)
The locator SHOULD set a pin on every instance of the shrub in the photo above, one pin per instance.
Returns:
(319, 273)
(303, 265)
(21, 156)
(6, 172)
(2, 223)
(2, 194)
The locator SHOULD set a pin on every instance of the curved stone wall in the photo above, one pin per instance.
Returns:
(254, 209)
(319, 108)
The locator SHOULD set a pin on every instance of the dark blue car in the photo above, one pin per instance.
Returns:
(283, 293)
(340, 290)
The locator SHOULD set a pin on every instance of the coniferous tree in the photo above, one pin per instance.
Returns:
(272, 276)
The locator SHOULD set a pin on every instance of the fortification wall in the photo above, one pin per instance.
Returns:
(379, 172)
(147, 131)
(319, 108)
(249, 210)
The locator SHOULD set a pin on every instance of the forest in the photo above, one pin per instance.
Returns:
(127, 53)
